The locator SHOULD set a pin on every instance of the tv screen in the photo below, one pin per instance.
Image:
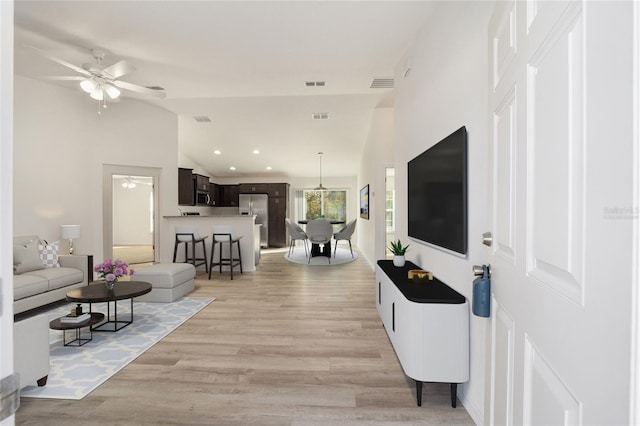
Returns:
(437, 192)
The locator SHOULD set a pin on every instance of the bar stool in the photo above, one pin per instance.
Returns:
(222, 235)
(189, 235)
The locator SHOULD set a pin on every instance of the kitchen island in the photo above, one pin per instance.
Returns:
(243, 226)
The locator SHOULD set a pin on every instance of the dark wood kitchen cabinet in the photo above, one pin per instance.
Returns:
(214, 194)
(229, 195)
(186, 196)
(277, 214)
(257, 188)
(278, 190)
(202, 183)
(278, 211)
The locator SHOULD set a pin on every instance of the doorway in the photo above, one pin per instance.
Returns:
(390, 209)
(130, 209)
(133, 219)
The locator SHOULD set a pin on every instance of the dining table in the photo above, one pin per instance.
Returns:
(331, 221)
(316, 250)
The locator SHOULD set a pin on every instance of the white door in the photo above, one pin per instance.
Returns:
(561, 141)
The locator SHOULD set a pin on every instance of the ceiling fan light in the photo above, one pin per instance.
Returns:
(112, 91)
(97, 94)
(88, 85)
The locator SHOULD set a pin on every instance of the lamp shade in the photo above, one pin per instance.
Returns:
(88, 85)
(97, 94)
(69, 232)
(112, 91)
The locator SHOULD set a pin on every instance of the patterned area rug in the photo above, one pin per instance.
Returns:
(76, 371)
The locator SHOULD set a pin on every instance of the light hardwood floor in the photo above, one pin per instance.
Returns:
(286, 345)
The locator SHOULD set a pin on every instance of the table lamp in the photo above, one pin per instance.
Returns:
(69, 232)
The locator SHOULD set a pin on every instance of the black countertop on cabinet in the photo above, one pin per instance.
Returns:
(434, 291)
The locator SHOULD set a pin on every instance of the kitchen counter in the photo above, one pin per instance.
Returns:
(243, 225)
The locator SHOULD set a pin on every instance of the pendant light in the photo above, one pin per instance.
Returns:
(320, 187)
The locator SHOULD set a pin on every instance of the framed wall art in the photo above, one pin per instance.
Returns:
(364, 202)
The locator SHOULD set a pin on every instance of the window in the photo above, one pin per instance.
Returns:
(328, 204)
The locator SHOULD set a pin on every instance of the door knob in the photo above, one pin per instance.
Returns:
(478, 270)
(487, 239)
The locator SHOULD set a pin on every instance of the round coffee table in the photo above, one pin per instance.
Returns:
(57, 324)
(97, 292)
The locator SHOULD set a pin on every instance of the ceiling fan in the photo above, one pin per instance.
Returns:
(129, 182)
(102, 83)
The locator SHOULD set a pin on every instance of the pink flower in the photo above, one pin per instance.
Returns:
(111, 270)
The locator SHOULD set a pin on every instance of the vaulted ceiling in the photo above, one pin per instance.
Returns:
(242, 64)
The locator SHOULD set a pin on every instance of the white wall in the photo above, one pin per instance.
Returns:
(60, 147)
(376, 156)
(445, 89)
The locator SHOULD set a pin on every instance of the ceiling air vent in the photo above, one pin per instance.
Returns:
(382, 83)
(314, 83)
(320, 116)
(155, 87)
(202, 119)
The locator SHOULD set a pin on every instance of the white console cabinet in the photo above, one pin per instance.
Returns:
(427, 324)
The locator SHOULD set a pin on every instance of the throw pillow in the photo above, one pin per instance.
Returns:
(49, 254)
(26, 258)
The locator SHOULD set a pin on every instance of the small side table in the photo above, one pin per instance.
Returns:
(78, 339)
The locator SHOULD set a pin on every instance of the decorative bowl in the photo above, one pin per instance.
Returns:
(420, 276)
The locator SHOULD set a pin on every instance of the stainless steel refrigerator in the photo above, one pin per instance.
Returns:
(257, 204)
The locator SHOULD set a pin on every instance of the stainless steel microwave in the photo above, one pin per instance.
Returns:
(202, 198)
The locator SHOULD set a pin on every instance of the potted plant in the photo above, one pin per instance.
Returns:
(398, 251)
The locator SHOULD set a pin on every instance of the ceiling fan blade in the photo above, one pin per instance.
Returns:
(62, 62)
(66, 78)
(119, 69)
(139, 89)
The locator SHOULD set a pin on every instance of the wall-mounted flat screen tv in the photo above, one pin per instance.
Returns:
(437, 191)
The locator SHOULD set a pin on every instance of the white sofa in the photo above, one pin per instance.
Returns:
(34, 285)
(31, 350)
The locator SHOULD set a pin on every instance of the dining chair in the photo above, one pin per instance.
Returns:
(296, 233)
(319, 232)
(345, 234)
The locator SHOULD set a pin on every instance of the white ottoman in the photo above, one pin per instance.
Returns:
(169, 281)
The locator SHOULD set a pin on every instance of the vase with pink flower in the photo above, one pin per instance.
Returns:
(111, 271)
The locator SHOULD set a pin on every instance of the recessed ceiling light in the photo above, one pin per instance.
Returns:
(268, 167)
(255, 151)
(217, 152)
(232, 168)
